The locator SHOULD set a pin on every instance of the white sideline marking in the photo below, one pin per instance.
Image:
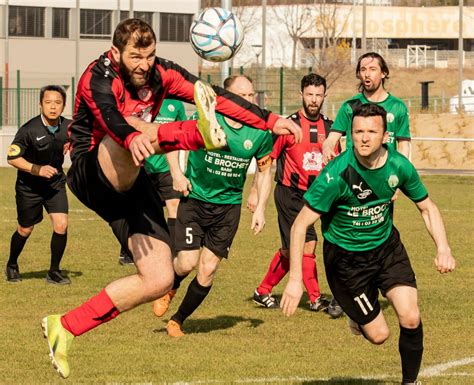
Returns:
(432, 371)
(436, 370)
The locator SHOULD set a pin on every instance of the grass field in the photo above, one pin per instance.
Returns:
(229, 339)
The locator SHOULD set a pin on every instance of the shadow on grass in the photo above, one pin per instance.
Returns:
(206, 325)
(42, 274)
(347, 381)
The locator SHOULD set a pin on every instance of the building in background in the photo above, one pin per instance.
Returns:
(38, 37)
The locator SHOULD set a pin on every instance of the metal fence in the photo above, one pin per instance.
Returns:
(279, 93)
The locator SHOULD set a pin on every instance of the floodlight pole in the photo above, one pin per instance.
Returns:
(225, 4)
(130, 11)
(460, 56)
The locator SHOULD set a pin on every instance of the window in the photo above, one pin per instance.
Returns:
(175, 26)
(96, 24)
(61, 22)
(25, 21)
(145, 16)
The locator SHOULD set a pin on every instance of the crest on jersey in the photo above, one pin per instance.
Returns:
(393, 181)
(312, 161)
(248, 144)
(14, 150)
(390, 117)
(144, 93)
(171, 108)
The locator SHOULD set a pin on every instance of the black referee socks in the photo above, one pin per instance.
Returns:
(58, 244)
(16, 246)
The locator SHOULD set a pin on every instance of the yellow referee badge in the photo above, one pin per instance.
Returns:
(14, 150)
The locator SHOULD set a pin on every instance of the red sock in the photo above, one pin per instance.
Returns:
(310, 277)
(97, 310)
(181, 135)
(278, 268)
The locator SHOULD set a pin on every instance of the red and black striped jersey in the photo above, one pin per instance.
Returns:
(103, 99)
(298, 165)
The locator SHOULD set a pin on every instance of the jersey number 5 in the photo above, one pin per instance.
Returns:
(189, 235)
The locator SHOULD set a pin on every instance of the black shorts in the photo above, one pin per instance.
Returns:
(30, 201)
(355, 278)
(206, 224)
(289, 202)
(163, 183)
(136, 211)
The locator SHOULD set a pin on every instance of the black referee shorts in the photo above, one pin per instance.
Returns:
(136, 211)
(355, 278)
(289, 202)
(206, 224)
(30, 200)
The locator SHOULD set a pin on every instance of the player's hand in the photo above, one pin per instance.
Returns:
(182, 184)
(140, 148)
(66, 148)
(47, 172)
(328, 152)
(258, 221)
(445, 262)
(291, 297)
(286, 126)
(252, 199)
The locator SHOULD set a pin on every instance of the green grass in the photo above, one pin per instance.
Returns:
(229, 339)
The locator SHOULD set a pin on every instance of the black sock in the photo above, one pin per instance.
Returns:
(58, 244)
(177, 280)
(410, 346)
(16, 246)
(193, 298)
(171, 228)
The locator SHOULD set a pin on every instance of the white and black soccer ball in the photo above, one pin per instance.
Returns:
(216, 34)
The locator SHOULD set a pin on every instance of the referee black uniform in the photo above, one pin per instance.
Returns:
(36, 146)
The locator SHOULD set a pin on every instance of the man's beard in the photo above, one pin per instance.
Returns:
(128, 78)
(308, 113)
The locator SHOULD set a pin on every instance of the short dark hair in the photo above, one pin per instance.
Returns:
(370, 109)
(138, 30)
(231, 79)
(313, 79)
(382, 63)
(53, 87)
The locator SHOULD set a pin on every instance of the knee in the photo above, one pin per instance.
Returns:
(206, 273)
(60, 226)
(185, 266)
(25, 231)
(156, 288)
(379, 336)
(410, 320)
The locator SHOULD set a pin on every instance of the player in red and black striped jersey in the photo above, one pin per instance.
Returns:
(297, 166)
(118, 97)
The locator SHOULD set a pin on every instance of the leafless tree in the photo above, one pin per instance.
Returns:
(298, 20)
(331, 54)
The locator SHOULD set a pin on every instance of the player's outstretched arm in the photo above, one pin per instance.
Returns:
(328, 146)
(294, 287)
(444, 260)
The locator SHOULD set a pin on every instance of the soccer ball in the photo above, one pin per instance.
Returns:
(216, 35)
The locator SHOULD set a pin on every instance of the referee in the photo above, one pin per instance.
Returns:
(38, 153)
